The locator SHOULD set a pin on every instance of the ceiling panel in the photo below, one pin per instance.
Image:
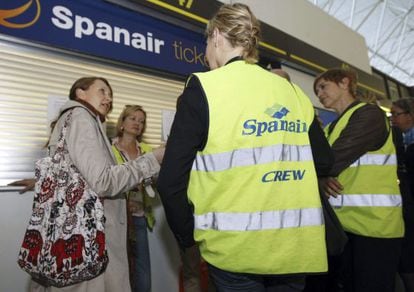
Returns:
(388, 28)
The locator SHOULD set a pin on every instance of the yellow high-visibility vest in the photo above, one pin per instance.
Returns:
(149, 214)
(254, 187)
(370, 203)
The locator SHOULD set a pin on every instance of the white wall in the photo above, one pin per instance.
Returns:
(305, 82)
(165, 257)
(15, 211)
(303, 20)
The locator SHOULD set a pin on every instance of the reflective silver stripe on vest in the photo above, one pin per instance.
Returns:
(376, 159)
(259, 220)
(366, 201)
(251, 156)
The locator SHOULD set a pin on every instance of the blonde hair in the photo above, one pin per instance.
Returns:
(240, 27)
(128, 110)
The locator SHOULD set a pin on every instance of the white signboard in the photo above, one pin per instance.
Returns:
(167, 120)
(54, 104)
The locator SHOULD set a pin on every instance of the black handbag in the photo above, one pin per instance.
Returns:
(335, 235)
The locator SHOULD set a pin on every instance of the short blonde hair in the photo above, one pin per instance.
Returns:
(240, 27)
(128, 110)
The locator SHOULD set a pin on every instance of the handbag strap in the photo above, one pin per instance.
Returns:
(62, 137)
(61, 141)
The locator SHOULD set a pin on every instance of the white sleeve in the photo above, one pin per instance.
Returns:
(89, 153)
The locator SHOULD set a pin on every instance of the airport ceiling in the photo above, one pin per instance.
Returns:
(388, 28)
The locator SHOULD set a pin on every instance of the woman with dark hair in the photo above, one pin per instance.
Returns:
(362, 187)
(402, 117)
(90, 151)
(127, 146)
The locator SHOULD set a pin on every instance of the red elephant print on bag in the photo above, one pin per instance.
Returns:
(33, 242)
(70, 248)
(100, 241)
(65, 242)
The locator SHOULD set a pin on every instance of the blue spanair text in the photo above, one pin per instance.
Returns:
(258, 128)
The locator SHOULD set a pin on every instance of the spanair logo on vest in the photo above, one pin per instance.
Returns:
(280, 123)
(22, 16)
(279, 113)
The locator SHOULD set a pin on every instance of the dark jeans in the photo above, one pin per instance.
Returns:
(142, 266)
(231, 282)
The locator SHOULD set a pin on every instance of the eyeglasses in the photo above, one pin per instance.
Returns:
(393, 114)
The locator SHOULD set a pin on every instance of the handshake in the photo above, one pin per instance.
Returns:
(147, 181)
(149, 176)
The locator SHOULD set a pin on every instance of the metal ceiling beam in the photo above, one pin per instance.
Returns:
(398, 8)
(386, 60)
(357, 11)
(331, 6)
(395, 36)
(326, 5)
(408, 44)
(410, 57)
(403, 30)
(367, 16)
(379, 27)
(339, 8)
(351, 16)
(408, 47)
(397, 54)
(387, 37)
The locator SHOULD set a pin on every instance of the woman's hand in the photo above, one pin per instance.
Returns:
(330, 186)
(159, 153)
(27, 183)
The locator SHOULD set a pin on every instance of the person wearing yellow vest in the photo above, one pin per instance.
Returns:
(126, 146)
(238, 176)
(362, 187)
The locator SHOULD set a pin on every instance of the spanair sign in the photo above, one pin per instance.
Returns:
(105, 30)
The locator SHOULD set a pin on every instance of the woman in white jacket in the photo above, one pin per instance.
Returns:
(88, 147)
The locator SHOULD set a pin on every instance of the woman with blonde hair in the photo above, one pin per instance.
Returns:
(127, 146)
(226, 180)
